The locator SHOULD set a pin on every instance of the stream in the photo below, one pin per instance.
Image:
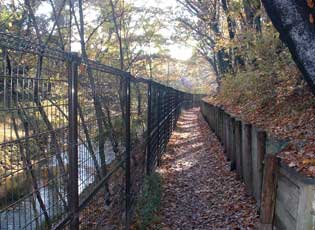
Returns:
(22, 215)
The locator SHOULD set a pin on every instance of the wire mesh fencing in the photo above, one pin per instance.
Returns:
(76, 138)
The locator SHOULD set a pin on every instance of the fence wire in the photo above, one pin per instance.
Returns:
(76, 138)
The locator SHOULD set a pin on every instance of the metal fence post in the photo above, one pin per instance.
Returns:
(128, 147)
(174, 107)
(158, 124)
(73, 191)
(169, 114)
(149, 128)
(163, 119)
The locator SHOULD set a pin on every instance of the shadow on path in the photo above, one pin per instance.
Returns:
(199, 191)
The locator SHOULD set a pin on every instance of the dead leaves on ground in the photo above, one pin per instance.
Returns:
(292, 117)
(199, 190)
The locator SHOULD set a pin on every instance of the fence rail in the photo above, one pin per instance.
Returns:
(76, 138)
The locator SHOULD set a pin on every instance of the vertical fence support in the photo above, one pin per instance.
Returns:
(261, 152)
(158, 124)
(225, 133)
(220, 125)
(224, 140)
(149, 124)
(268, 194)
(232, 144)
(247, 156)
(258, 155)
(128, 158)
(163, 108)
(238, 148)
(73, 191)
(229, 141)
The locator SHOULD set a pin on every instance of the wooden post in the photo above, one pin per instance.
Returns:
(268, 194)
(221, 125)
(228, 142)
(247, 157)
(223, 141)
(238, 148)
(232, 144)
(226, 134)
(261, 152)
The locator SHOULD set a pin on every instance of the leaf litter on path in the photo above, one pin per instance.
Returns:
(199, 190)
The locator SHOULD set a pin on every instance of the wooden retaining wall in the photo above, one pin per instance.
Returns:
(285, 198)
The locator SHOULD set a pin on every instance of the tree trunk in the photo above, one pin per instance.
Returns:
(251, 8)
(291, 19)
(121, 58)
(97, 104)
(230, 21)
(27, 163)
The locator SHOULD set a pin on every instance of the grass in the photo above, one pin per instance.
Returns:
(149, 202)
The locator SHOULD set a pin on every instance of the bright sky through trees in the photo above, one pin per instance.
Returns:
(180, 51)
(149, 38)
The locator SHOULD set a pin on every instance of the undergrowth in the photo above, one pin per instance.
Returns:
(267, 90)
(149, 202)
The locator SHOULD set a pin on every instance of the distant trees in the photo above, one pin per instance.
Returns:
(203, 22)
(243, 48)
(218, 25)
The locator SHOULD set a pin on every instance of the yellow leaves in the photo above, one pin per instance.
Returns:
(224, 43)
(309, 162)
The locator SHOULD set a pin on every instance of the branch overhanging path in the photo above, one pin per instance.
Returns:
(199, 190)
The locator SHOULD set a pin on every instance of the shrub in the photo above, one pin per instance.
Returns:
(268, 71)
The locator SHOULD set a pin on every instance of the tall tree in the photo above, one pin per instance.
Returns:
(291, 19)
(204, 21)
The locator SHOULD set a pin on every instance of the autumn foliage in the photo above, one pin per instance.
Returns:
(261, 82)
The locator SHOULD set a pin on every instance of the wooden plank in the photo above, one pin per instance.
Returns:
(265, 227)
(287, 196)
(268, 195)
(283, 216)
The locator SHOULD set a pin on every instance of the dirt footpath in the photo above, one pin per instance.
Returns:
(199, 190)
